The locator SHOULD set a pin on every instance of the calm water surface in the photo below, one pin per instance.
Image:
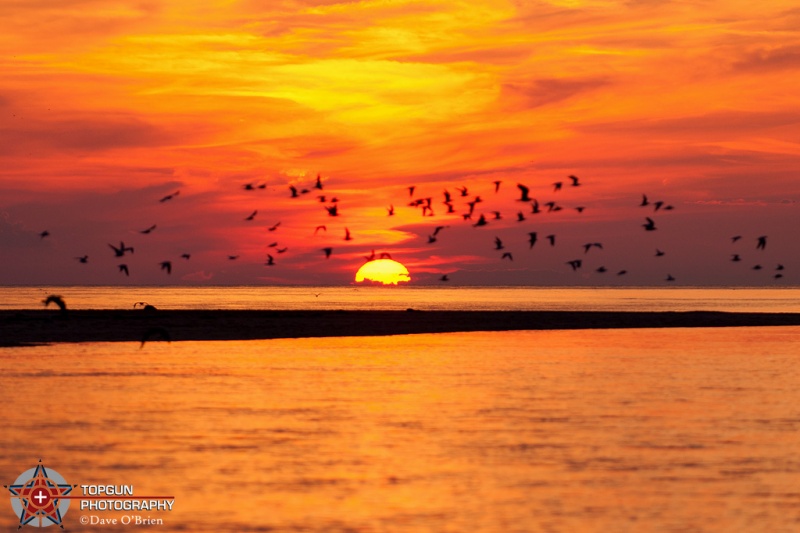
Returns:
(612, 431)
(783, 299)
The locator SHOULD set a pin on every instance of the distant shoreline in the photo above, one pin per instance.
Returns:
(36, 327)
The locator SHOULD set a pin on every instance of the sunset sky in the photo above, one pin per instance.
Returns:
(107, 107)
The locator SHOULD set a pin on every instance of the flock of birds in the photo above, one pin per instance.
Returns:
(460, 205)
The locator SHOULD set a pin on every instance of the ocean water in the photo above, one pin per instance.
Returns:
(785, 299)
(669, 430)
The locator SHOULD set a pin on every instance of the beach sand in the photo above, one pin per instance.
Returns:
(20, 328)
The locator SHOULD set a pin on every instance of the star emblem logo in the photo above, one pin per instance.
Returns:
(37, 497)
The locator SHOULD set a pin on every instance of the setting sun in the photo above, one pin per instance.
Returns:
(385, 271)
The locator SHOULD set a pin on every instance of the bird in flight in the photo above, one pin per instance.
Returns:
(119, 252)
(735, 238)
(670, 278)
(552, 239)
(347, 235)
(233, 257)
(736, 258)
(124, 269)
(497, 185)
(332, 210)
(462, 190)
(252, 215)
(274, 227)
(323, 228)
(508, 256)
(481, 222)
(650, 226)
(390, 210)
(575, 182)
(318, 184)
(186, 256)
(498, 244)
(270, 260)
(532, 236)
(589, 245)
(328, 251)
(762, 243)
(444, 278)
(644, 201)
(520, 216)
(575, 264)
(169, 197)
(58, 300)
(166, 265)
(148, 230)
(557, 186)
(523, 192)
(659, 253)
(411, 190)
(83, 259)
(44, 234)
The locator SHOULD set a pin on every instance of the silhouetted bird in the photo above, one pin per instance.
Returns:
(557, 186)
(385, 255)
(644, 201)
(601, 270)
(532, 236)
(444, 278)
(281, 250)
(735, 238)
(757, 267)
(659, 253)
(575, 264)
(520, 216)
(580, 209)
(535, 206)
(390, 210)
(657, 205)
(552, 239)
(119, 252)
(431, 239)
(233, 257)
(83, 259)
(323, 228)
(322, 199)
(650, 226)
(589, 245)
(498, 244)
(347, 235)
(169, 197)
(252, 215)
(762, 243)
(508, 256)
(148, 230)
(274, 227)
(370, 257)
(293, 189)
(496, 215)
(186, 256)
(779, 267)
(58, 300)
(318, 184)
(497, 186)
(778, 276)
(270, 260)
(44, 234)
(272, 245)
(622, 272)
(124, 268)
(249, 187)
(411, 190)
(575, 182)
(438, 229)
(328, 251)
(670, 278)
(736, 258)
(332, 210)
(166, 265)
(523, 191)
(481, 222)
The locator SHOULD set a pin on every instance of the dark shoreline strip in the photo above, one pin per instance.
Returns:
(20, 328)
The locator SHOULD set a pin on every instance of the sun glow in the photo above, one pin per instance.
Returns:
(384, 271)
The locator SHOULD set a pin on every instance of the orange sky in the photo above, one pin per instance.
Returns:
(108, 107)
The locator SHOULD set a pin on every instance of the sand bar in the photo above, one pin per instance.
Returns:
(20, 328)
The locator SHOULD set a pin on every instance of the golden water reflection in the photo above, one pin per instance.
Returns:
(635, 430)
